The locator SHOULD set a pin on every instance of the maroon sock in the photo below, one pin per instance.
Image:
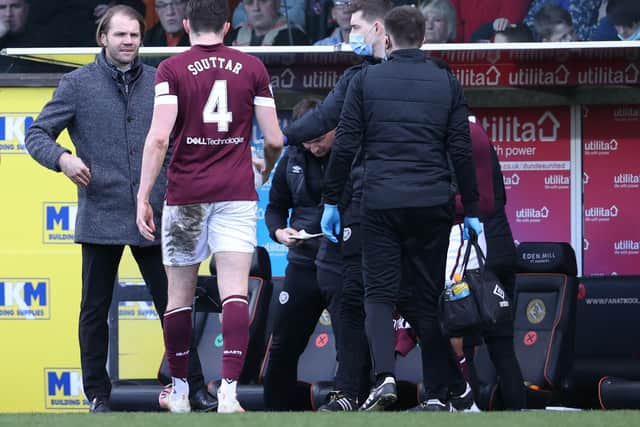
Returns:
(177, 340)
(235, 335)
(464, 368)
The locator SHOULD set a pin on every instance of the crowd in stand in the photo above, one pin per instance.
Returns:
(45, 23)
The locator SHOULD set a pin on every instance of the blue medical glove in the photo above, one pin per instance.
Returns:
(330, 222)
(473, 223)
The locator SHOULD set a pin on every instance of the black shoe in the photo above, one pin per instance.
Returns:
(433, 405)
(382, 396)
(99, 404)
(202, 401)
(338, 402)
(464, 402)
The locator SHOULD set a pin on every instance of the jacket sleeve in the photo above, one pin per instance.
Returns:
(57, 115)
(280, 202)
(348, 140)
(484, 32)
(325, 116)
(459, 149)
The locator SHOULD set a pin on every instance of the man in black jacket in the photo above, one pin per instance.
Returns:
(312, 282)
(407, 115)
(352, 378)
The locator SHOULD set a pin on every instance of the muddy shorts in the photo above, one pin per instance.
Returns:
(190, 233)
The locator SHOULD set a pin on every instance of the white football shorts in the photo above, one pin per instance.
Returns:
(191, 233)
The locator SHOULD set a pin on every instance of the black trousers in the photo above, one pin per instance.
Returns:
(414, 240)
(354, 365)
(309, 292)
(99, 270)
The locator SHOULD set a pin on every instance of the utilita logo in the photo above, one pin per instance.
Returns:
(556, 181)
(512, 129)
(626, 180)
(510, 181)
(532, 214)
(599, 147)
(626, 113)
(600, 214)
(626, 247)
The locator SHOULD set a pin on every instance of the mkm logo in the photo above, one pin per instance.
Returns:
(63, 389)
(13, 127)
(24, 299)
(59, 222)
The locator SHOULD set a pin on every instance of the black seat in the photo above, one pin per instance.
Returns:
(618, 393)
(607, 348)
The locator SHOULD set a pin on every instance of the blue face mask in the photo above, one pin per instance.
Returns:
(633, 37)
(359, 46)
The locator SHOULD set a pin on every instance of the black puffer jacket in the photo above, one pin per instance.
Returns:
(407, 114)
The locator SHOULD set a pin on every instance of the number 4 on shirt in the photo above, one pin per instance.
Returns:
(216, 109)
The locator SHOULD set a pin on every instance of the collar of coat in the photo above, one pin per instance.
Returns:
(411, 55)
(118, 75)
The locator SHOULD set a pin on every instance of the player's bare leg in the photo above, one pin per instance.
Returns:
(233, 281)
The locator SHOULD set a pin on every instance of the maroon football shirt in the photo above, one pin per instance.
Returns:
(215, 88)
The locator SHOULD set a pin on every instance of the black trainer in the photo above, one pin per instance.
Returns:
(99, 405)
(202, 401)
(338, 402)
(433, 405)
(464, 402)
(382, 396)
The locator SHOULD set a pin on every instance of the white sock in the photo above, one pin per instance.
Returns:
(180, 386)
(228, 387)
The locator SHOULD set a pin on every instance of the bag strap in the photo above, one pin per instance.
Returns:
(473, 243)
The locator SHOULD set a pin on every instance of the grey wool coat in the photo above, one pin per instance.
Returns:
(107, 114)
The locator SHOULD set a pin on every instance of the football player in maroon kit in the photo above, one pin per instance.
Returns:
(205, 99)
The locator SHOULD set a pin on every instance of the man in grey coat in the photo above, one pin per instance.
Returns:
(107, 106)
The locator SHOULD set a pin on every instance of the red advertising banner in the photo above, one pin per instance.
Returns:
(477, 67)
(611, 188)
(533, 145)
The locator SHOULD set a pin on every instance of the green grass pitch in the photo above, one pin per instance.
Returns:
(311, 419)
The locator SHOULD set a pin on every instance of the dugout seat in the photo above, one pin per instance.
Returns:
(604, 348)
(544, 324)
(618, 393)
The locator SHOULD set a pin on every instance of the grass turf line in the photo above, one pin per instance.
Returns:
(303, 419)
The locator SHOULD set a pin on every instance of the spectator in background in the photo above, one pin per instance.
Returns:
(293, 10)
(440, 21)
(102, 7)
(265, 27)
(13, 23)
(169, 31)
(71, 23)
(342, 17)
(319, 22)
(553, 24)
(587, 15)
(473, 14)
(625, 17)
(513, 33)
(15, 32)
